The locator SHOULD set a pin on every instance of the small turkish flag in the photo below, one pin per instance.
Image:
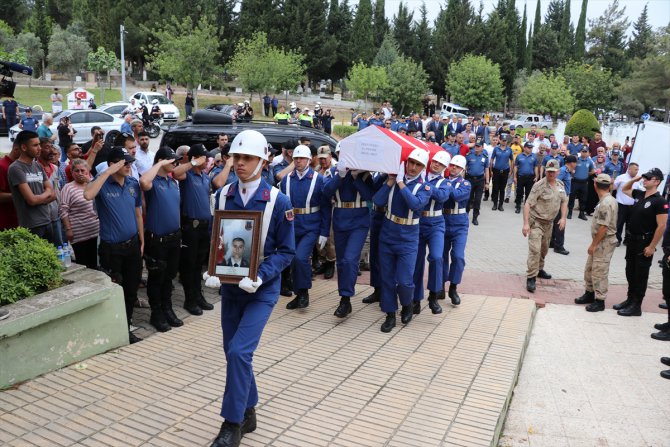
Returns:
(80, 95)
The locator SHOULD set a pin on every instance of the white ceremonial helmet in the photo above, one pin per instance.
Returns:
(155, 101)
(250, 142)
(442, 157)
(459, 161)
(420, 156)
(302, 151)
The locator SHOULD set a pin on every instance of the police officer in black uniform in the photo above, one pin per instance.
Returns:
(647, 223)
(162, 237)
(195, 220)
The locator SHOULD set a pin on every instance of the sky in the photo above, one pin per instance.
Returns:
(659, 10)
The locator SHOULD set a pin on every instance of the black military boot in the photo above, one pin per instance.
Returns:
(132, 338)
(416, 307)
(202, 302)
(623, 304)
(530, 284)
(432, 303)
(495, 207)
(389, 323)
(249, 422)
(441, 295)
(475, 215)
(293, 304)
(596, 306)
(321, 268)
(517, 209)
(570, 214)
(587, 298)
(286, 289)
(157, 319)
(406, 314)
(170, 316)
(582, 216)
(500, 207)
(303, 299)
(662, 326)
(662, 335)
(344, 308)
(329, 272)
(191, 305)
(543, 275)
(453, 294)
(375, 297)
(632, 310)
(230, 435)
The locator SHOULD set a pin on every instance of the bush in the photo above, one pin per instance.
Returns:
(582, 123)
(28, 265)
(344, 131)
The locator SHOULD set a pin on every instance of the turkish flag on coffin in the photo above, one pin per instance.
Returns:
(377, 149)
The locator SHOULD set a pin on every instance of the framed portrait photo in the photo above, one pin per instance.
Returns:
(235, 244)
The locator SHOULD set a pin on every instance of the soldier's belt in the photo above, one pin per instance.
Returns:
(402, 220)
(454, 211)
(431, 213)
(380, 209)
(363, 204)
(314, 209)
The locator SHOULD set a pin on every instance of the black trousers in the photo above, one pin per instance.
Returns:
(123, 263)
(47, 232)
(194, 253)
(499, 184)
(666, 275)
(86, 252)
(162, 260)
(266, 108)
(591, 197)
(475, 193)
(524, 183)
(274, 111)
(578, 190)
(623, 217)
(558, 235)
(637, 267)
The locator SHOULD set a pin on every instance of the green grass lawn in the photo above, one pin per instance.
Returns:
(32, 96)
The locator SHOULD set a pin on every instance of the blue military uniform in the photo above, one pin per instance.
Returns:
(500, 165)
(431, 233)
(350, 225)
(400, 231)
(280, 167)
(244, 315)
(312, 211)
(456, 231)
(558, 235)
(477, 164)
(614, 169)
(453, 149)
(376, 220)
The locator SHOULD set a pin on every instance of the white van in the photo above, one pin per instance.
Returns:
(449, 108)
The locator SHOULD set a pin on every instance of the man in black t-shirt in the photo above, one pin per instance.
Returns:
(647, 224)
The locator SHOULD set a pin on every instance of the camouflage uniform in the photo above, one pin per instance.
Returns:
(597, 266)
(545, 203)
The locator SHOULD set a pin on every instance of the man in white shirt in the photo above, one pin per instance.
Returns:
(56, 101)
(625, 202)
(144, 157)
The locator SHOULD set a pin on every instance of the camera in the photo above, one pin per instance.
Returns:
(7, 85)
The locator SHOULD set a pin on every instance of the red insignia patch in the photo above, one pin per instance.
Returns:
(289, 215)
(665, 206)
(266, 194)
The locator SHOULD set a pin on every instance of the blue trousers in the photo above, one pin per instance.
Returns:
(397, 261)
(376, 220)
(348, 247)
(243, 319)
(455, 237)
(301, 266)
(434, 238)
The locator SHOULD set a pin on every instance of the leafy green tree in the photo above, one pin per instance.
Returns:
(380, 26)
(502, 50)
(32, 46)
(580, 33)
(407, 84)
(103, 62)
(362, 36)
(41, 25)
(593, 87)
(388, 52)
(15, 13)
(421, 50)
(475, 82)
(366, 82)
(260, 67)
(566, 36)
(318, 58)
(187, 54)
(546, 93)
(607, 38)
(641, 44)
(522, 50)
(402, 28)
(339, 25)
(583, 122)
(68, 51)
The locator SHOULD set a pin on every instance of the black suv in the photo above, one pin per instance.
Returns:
(206, 125)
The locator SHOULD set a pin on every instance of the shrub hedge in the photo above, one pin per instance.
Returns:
(582, 123)
(343, 131)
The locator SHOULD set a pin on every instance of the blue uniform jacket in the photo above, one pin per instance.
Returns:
(405, 204)
(279, 244)
(458, 199)
(500, 158)
(438, 195)
(308, 223)
(477, 163)
(614, 169)
(348, 189)
(565, 176)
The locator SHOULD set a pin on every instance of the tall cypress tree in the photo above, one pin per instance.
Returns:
(380, 26)
(422, 33)
(362, 39)
(640, 44)
(565, 38)
(339, 26)
(522, 51)
(402, 29)
(580, 33)
(529, 51)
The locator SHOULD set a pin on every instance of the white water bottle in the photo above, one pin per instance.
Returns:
(67, 260)
(61, 255)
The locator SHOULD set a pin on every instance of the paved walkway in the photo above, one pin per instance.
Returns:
(590, 380)
(442, 380)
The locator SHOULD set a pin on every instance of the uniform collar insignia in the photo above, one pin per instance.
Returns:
(265, 193)
(231, 191)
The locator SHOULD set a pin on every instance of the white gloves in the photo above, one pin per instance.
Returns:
(250, 286)
(322, 242)
(211, 281)
(401, 173)
(341, 169)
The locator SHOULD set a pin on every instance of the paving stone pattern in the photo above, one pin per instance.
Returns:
(443, 380)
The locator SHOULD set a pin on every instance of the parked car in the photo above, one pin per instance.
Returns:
(82, 121)
(115, 108)
(449, 107)
(526, 121)
(206, 125)
(170, 111)
(37, 114)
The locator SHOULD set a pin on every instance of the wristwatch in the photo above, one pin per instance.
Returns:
(194, 163)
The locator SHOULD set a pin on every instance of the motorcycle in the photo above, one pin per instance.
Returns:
(153, 127)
